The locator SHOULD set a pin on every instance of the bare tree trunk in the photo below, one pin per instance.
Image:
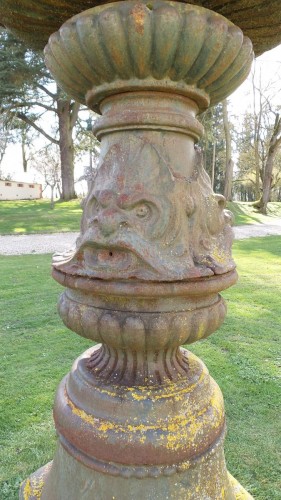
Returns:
(257, 172)
(228, 180)
(59, 190)
(257, 127)
(228, 160)
(67, 116)
(66, 149)
(23, 148)
(275, 143)
(52, 186)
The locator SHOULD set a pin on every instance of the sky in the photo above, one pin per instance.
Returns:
(268, 66)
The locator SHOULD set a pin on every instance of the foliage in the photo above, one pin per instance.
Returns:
(29, 95)
(4, 136)
(213, 145)
(87, 146)
(37, 351)
(258, 145)
(85, 141)
(47, 163)
(20, 217)
(244, 185)
(19, 68)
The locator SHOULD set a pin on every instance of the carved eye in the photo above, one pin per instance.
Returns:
(142, 211)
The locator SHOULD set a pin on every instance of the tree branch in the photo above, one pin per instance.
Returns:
(25, 105)
(47, 91)
(25, 119)
(244, 180)
(74, 113)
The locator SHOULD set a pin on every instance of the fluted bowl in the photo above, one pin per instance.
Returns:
(35, 20)
(177, 313)
(127, 46)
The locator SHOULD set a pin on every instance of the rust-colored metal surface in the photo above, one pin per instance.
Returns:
(35, 20)
(149, 217)
(123, 47)
(138, 416)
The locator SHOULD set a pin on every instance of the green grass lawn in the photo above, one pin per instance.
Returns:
(36, 216)
(25, 217)
(37, 351)
(245, 213)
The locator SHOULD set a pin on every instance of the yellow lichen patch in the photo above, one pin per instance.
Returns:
(170, 390)
(219, 256)
(175, 431)
(27, 490)
(179, 433)
(141, 393)
(89, 419)
(33, 488)
(239, 492)
(81, 413)
(201, 331)
(216, 402)
(104, 426)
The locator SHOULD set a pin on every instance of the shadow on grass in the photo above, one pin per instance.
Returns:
(37, 216)
(242, 215)
(259, 247)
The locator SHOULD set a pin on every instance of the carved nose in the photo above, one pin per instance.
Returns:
(111, 221)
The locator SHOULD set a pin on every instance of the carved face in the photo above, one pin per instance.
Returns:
(134, 216)
(138, 220)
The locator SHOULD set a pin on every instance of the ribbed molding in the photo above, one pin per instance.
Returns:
(138, 368)
(159, 46)
(141, 330)
(35, 20)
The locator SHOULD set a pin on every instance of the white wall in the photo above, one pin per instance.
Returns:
(11, 190)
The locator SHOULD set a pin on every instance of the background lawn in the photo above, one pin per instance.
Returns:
(37, 351)
(23, 217)
(36, 216)
(245, 213)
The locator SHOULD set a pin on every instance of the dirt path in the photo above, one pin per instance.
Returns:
(36, 243)
(58, 242)
(256, 230)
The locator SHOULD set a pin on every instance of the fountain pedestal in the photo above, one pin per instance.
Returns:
(139, 416)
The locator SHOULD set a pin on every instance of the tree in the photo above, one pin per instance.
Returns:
(213, 146)
(228, 154)
(259, 144)
(28, 92)
(4, 137)
(47, 163)
(87, 143)
(67, 112)
(274, 144)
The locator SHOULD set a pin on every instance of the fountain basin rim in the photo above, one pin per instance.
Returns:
(141, 289)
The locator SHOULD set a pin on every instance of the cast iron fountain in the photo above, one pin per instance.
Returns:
(138, 416)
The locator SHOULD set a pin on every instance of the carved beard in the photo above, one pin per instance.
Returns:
(211, 232)
(136, 222)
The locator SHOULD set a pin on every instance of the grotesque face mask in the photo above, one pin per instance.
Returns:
(139, 220)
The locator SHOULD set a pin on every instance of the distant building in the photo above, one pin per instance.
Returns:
(12, 190)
